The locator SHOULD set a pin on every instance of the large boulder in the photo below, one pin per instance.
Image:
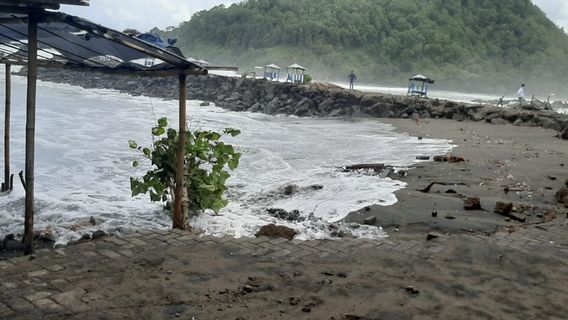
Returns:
(272, 107)
(378, 109)
(369, 100)
(472, 203)
(304, 107)
(548, 123)
(562, 196)
(564, 134)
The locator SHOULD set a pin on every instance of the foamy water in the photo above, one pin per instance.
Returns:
(83, 164)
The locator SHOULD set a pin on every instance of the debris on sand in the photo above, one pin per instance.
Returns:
(449, 158)
(412, 290)
(507, 210)
(562, 196)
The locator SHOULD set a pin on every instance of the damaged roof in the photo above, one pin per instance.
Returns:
(75, 43)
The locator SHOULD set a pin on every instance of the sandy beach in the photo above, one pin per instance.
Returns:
(503, 163)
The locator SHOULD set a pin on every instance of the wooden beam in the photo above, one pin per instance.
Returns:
(138, 73)
(179, 214)
(6, 185)
(124, 40)
(24, 6)
(45, 3)
(12, 9)
(13, 20)
(221, 68)
(30, 132)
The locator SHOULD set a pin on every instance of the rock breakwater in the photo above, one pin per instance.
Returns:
(312, 100)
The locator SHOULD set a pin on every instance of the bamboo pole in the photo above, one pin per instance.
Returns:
(179, 214)
(6, 185)
(30, 131)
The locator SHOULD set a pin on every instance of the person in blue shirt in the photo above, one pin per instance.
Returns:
(352, 77)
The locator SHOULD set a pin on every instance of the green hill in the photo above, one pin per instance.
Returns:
(464, 44)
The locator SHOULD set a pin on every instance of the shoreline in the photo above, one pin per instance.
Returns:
(530, 162)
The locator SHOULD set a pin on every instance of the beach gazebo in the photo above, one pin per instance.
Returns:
(418, 86)
(296, 73)
(34, 37)
(272, 72)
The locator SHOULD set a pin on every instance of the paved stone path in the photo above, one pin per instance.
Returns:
(70, 282)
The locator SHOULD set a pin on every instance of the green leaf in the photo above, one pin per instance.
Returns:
(147, 152)
(163, 122)
(132, 144)
(158, 131)
(135, 164)
(232, 132)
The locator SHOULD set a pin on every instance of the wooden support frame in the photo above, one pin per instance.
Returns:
(33, 13)
(149, 73)
(179, 212)
(30, 131)
(7, 186)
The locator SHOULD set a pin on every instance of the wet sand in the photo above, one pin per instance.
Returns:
(478, 265)
(530, 162)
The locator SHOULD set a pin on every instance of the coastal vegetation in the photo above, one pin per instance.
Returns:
(476, 44)
(208, 160)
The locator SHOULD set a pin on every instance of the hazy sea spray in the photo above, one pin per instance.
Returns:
(83, 163)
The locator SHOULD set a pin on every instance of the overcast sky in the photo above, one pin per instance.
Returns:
(146, 14)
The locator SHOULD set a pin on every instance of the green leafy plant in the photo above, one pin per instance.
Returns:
(307, 78)
(207, 161)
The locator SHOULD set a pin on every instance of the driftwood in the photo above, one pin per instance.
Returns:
(429, 187)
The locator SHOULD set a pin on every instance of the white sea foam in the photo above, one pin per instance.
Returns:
(83, 164)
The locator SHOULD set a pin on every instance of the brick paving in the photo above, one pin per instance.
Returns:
(45, 285)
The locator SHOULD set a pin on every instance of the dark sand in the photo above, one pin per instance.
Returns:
(531, 162)
(468, 272)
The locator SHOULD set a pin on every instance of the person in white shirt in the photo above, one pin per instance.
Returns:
(521, 94)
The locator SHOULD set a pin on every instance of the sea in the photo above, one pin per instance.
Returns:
(84, 163)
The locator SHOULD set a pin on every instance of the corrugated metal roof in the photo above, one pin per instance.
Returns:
(72, 42)
(420, 77)
(43, 3)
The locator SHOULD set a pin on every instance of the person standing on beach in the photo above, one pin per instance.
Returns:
(521, 94)
(352, 77)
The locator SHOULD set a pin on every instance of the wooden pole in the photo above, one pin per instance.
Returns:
(179, 214)
(30, 131)
(7, 129)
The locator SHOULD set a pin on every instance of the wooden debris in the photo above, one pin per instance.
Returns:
(429, 187)
(377, 167)
(449, 158)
